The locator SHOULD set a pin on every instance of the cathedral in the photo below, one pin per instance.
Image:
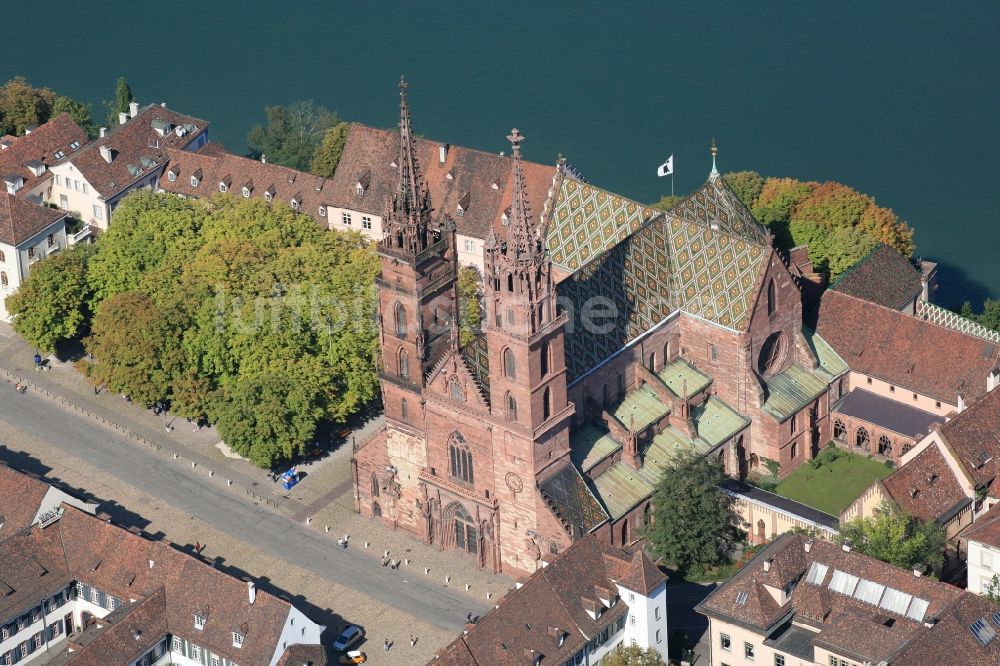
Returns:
(615, 338)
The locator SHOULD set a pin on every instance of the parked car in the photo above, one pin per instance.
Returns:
(348, 637)
(354, 657)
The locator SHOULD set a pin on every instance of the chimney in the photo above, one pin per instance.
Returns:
(961, 403)
(251, 591)
(106, 153)
(847, 545)
(103, 132)
(918, 570)
(122, 118)
(767, 564)
(263, 158)
(133, 109)
(136, 634)
(443, 152)
(808, 545)
(163, 104)
(151, 563)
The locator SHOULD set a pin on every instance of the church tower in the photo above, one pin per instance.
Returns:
(416, 287)
(525, 333)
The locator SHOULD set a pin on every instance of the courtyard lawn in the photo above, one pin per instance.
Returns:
(838, 480)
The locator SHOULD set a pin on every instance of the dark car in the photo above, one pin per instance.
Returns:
(348, 637)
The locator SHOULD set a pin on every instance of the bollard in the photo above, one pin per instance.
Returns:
(229, 482)
(385, 553)
(193, 464)
(467, 587)
(366, 544)
(406, 561)
(211, 473)
(489, 595)
(175, 456)
(447, 579)
(328, 529)
(309, 520)
(426, 571)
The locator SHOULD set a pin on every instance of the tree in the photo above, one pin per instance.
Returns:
(633, 655)
(470, 297)
(292, 134)
(747, 185)
(79, 112)
(123, 98)
(666, 202)
(328, 152)
(992, 589)
(23, 106)
(893, 536)
(50, 305)
(989, 317)
(694, 521)
(775, 203)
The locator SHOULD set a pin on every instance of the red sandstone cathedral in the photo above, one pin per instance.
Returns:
(615, 338)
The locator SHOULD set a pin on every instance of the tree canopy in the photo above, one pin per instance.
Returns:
(470, 304)
(328, 152)
(230, 309)
(79, 112)
(23, 105)
(694, 522)
(633, 655)
(293, 134)
(895, 537)
(120, 104)
(989, 317)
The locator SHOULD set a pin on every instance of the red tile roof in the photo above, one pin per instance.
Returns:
(479, 180)
(906, 351)
(551, 604)
(926, 487)
(987, 529)
(216, 165)
(20, 498)
(951, 641)
(137, 148)
(974, 436)
(883, 276)
(21, 219)
(43, 145)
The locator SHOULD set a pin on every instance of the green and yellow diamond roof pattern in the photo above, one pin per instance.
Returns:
(703, 257)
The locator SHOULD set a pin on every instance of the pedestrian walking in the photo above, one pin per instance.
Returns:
(385, 645)
(197, 546)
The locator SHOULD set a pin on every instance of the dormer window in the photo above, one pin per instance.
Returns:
(59, 155)
(459, 211)
(495, 186)
(194, 182)
(223, 187)
(74, 145)
(322, 211)
(172, 176)
(269, 194)
(360, 190)
(246, 192)
(196, 178)
(237, 639)
(448, 176)
(199, 621)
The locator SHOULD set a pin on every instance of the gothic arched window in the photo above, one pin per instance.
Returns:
(403, 411)
(839, 430)
(772, 297)
(375, 491)
(546, 404)
(772, 354)
(404, 364)
(544, 359)
(511, 407)
(509, 367)
(400, 314)
(884, 446)
(460, 459)
(861, 439)
(456, 391)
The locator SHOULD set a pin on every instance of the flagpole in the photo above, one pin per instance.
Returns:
(671, 182)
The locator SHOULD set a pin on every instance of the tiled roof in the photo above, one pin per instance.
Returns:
(951, 641)
(548, 609)
(987, 529)
(571, 501)
(925, 487)
(883, 276)
(904, 350)
(20, 498)
(124, 635)
(136, 149)
(715, 421)
(683, 378)
(703, 260)
(481, 177)
(974, 435)
(890, 414)
(862, 608)
(829, 360)
(21, 219)
(43, 144)
(944, 317)
(790, 391)
(639, 408)
(215, 166)
(621, 488)
(589, 445)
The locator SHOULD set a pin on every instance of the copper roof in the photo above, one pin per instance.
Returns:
(21, 219)
(904, 350)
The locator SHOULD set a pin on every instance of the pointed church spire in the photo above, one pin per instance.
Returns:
(715, 150)
(408, 214)
(522, 236)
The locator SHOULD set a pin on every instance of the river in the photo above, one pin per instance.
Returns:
(898, 99)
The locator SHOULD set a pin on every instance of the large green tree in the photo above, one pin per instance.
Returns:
(50, 306)
(292, 133)
(747, 185)
(329, 151)
(694, 522)
(23, 106)
(895, 537)
(79, 112)
(470, 305)
(120, 104)
(633, 655)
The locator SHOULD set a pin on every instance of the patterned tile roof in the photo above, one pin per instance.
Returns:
(956, 322)
(791, 390)
(477, 359)
(704, 257)
(570, 499)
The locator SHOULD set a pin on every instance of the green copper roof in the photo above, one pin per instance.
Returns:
(680, 371)
(792, 390)
(716, 421)
(665, 447)
(829, 360)
(589, 444)
(643, 406)
(621, 488)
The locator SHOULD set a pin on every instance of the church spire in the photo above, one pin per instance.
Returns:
(522, 237)
(408, 215)
(715, 151)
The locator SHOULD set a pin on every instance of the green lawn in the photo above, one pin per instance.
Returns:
(835, 484)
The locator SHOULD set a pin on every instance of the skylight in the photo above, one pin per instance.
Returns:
(917, 609)
(895, 601)
(869, 592)
(817, 572)
(741, 598)
(843, 582)
(983, 632)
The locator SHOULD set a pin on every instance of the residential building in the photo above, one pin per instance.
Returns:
(587, 601)
(801, 602)
(29, 232)
(616, 336)
(129, 156)
(983, 540)
(472, 187)
(77, 590)
(212, 170)
(906, 373)
(25, 161)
